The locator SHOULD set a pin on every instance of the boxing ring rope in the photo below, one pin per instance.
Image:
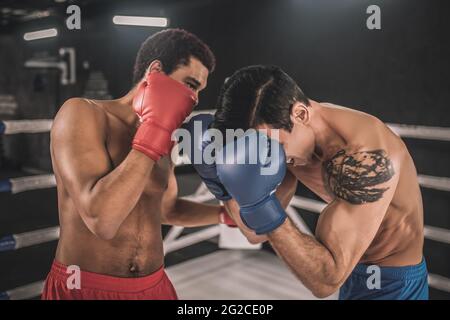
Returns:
(25, 126)
(403, 130)
(34, 182)
(30, 238)
(16, 241)
(202, 195)
(27, 291)
(420, 132)
(188, 240)
(172, 240)
(439, 282)
(437, 183)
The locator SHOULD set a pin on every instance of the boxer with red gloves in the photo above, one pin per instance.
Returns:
(116, 182)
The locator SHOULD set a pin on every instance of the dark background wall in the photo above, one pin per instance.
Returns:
(400, 73)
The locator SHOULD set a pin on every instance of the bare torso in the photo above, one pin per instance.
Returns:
(136, 250)
(399, 240)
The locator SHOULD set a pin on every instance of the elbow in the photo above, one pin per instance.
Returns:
(323, 292)
(169, 218)
(102, 228)
(255, 239)
(103, 231)
(101, 217)
(327, 286)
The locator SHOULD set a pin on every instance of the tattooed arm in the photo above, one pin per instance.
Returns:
(364, 184)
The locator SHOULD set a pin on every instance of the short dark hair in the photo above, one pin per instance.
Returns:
(173, 47)
(257, 95)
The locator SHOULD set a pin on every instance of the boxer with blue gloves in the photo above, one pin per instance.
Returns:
(368, 240)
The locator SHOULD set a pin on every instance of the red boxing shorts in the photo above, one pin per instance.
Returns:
(95, 286)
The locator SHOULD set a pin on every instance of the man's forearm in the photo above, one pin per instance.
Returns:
(310, 261)
(192, 214)
(112, 197)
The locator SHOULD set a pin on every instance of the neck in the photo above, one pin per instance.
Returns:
(128, 98)
(128, 114)
(327, 140)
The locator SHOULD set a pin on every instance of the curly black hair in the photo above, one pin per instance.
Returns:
(173, 47)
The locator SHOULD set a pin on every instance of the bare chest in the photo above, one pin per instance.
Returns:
(118, 145)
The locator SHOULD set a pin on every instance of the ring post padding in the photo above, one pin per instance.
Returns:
(5, 185)
(7, 243)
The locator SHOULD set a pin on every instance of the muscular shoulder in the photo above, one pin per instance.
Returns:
(78, 114)
(80, 111)
(359, 176)
(80, 108)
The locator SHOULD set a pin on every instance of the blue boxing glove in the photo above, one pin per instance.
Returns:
(200, 139)
(253, 183)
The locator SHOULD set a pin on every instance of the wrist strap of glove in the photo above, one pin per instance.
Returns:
(152, 140)
(264, 216)
(225, 218)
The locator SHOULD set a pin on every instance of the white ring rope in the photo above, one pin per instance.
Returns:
(420, 132)
(26, 292)
(190, 239)
(48, 181)
(439, 282)
(403, 130)
(27, 126)
(39, 236)
(437, 183)
(437, 234)
(32, 183)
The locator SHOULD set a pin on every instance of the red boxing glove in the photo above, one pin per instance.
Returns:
(225, 218)
(162, 105)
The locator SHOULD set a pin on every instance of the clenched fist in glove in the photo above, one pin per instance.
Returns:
(162, 104)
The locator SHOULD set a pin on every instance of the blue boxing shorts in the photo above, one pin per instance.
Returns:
(394, 283)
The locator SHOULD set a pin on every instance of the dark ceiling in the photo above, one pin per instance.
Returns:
(14, 12)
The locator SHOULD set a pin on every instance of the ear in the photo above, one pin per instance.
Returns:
(300, 113)
(155, 66)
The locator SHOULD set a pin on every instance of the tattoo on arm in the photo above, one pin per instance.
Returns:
(354, 177)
